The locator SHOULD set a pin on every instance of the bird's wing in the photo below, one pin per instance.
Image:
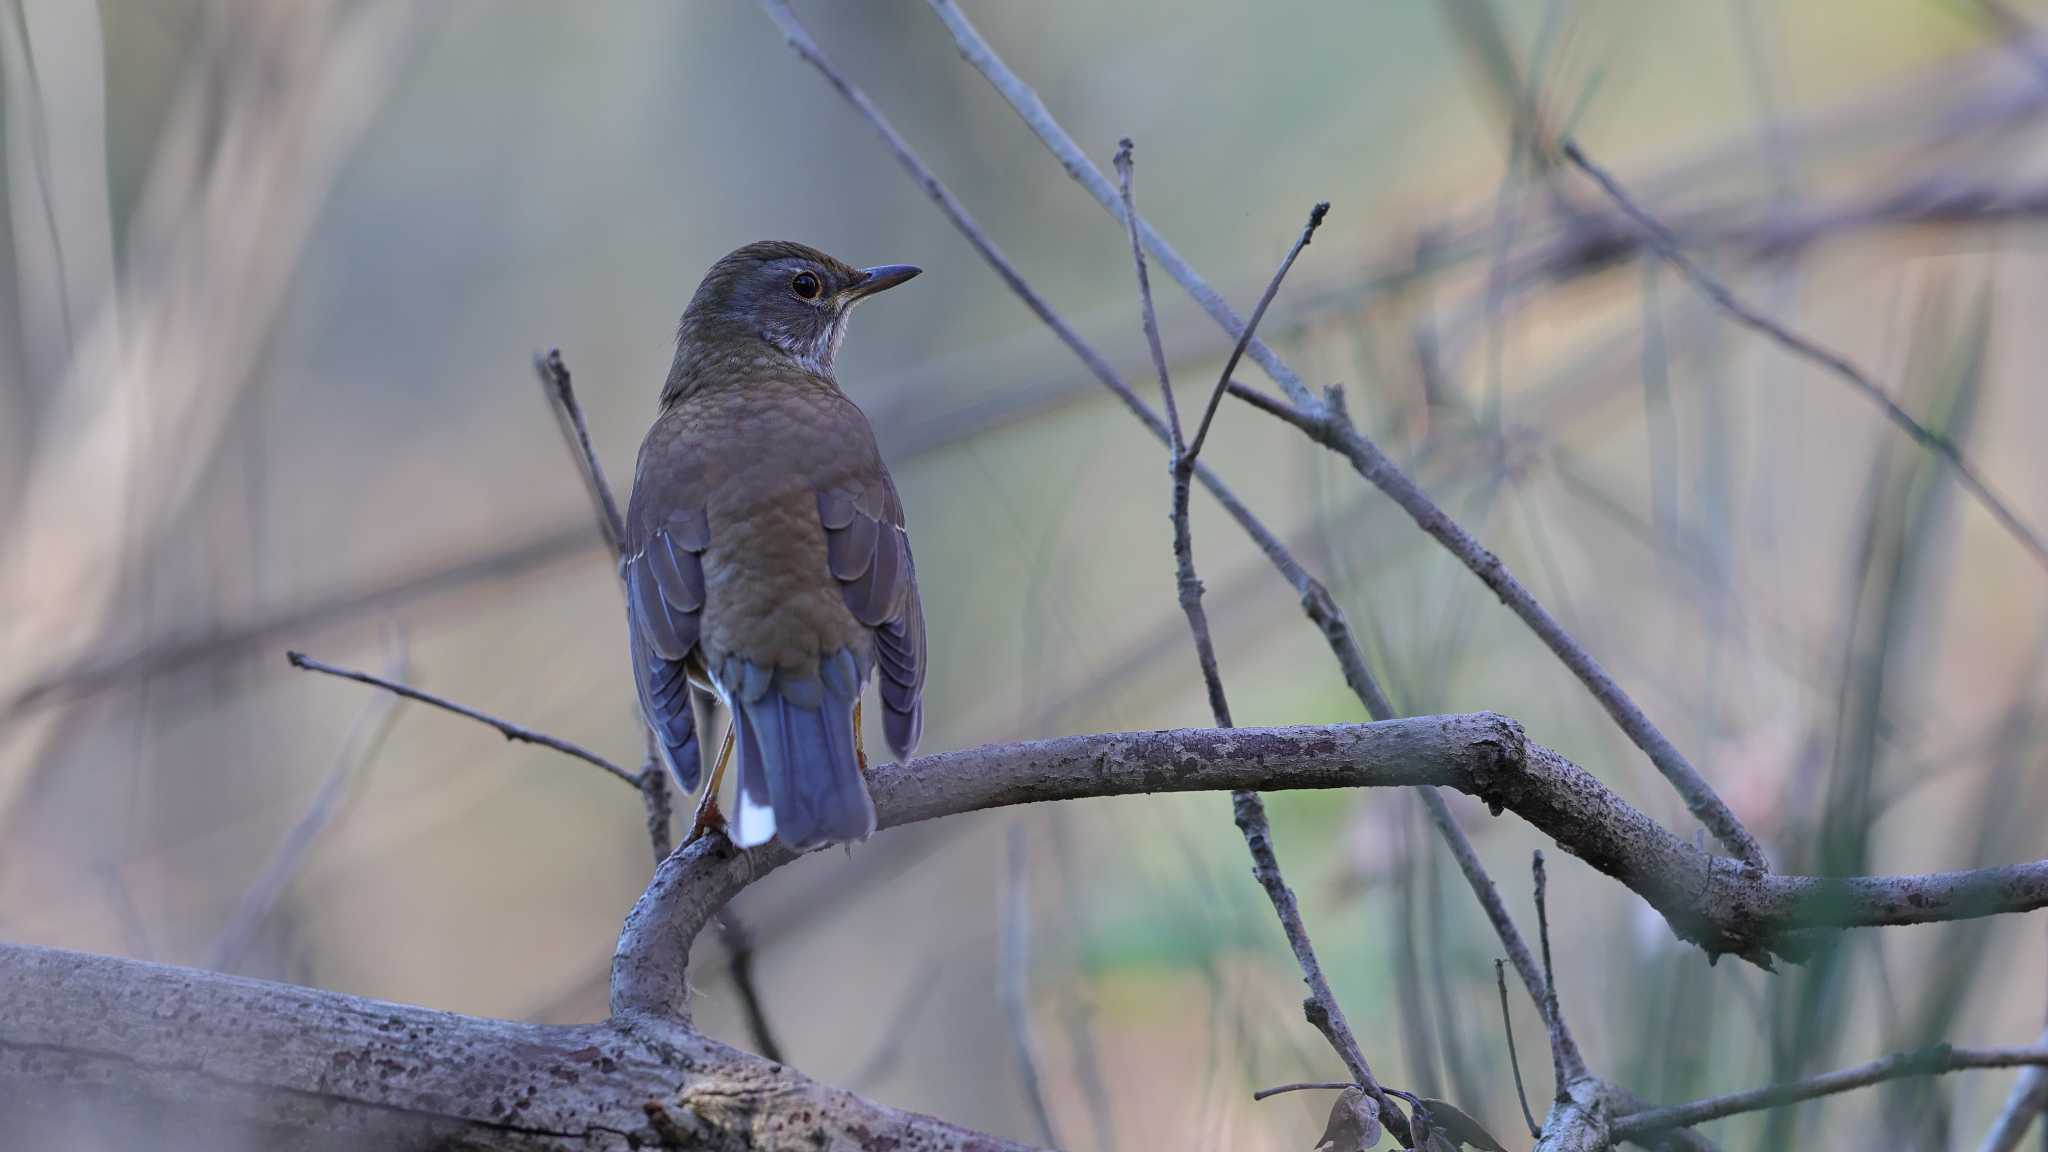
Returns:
(664, 599)
(869, 553)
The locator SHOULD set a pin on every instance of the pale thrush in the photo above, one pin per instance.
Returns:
(766, 559)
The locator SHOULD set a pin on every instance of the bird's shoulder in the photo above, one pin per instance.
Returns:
(763, 430)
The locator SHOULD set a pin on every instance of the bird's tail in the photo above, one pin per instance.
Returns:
(799, 778)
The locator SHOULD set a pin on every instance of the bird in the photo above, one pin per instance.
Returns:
(766, 560)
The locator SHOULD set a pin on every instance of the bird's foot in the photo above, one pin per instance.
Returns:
(860, 752)
(709, 819)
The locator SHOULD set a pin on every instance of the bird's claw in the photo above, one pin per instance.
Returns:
(709, 819)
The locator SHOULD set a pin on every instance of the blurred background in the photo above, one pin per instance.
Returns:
(274, 273)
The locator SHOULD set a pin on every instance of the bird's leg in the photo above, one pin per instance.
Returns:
(709, 818)
(860, 754)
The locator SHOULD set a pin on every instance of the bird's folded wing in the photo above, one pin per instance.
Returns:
(664, 600)
(869, 554)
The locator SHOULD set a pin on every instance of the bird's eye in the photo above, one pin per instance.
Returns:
(806, 286)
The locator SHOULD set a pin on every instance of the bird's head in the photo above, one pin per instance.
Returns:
(792, 297)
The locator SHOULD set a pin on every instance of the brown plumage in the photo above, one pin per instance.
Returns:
(766, 556)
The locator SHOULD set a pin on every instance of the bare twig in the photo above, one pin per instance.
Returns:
(1496, 911)
(1507, 1023)
(366, 733)
(739, 953)
(1560, 1035)
(1015, 981)
(1321, 1007)
(1418, 1043)
(1304, 1086)
(1333, 429)
(1666, 246)
(1027, 105)
(1330, 427)
(554, 376)
(1933, 1061)
(1148, 318)
(1315, 598)
(1251, 326)
(888, 1051)
(506, 729)
(654, 798)
(2027, 1100)
(105, 670)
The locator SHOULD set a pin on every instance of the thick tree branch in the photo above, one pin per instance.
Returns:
(1321, 1007)
(1578, 1121)
(154, 1056)
(1720, 904)
(316, 1069)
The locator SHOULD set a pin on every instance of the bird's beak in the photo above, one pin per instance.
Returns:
(880, 278)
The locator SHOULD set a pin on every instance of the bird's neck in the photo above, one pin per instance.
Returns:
(729, 358)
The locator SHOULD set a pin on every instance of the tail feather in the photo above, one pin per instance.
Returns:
(800, 779)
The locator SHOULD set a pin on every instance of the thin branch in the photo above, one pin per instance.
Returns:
(888, 1051)
(1312, 593)
(1507, 1023)
(1334, 429)
(554, 376)
(1560, 1035)
(506, 729)
(105, 670)
(1666, 246)
(1015, 970)
(1149, 318)
(1934, 1061)
(739, 953)
(1496, 911)
(654, 799)
(1418, 1043)
(1321, 1008)
(1331, 428)
(1304, 1086)
(1033, 111)
(2028, 1100)
(1251, 326)
(366, 733)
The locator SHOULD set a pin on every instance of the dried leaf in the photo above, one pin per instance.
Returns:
(1447, 1119)
(1354, 1123)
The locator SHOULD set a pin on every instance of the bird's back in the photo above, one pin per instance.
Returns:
(766, 556)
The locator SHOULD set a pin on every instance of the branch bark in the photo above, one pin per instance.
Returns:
(1724, 906)
(155, 1056)
(172, 1048)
